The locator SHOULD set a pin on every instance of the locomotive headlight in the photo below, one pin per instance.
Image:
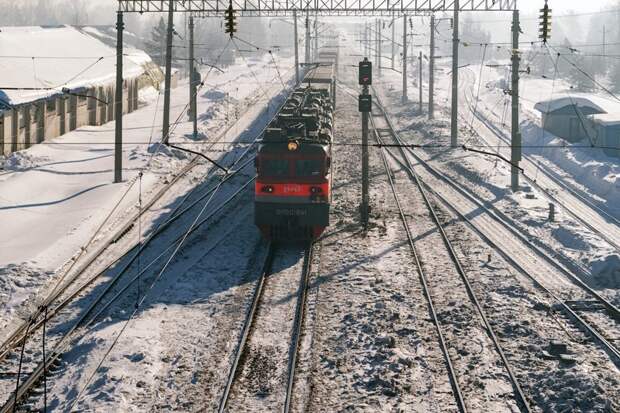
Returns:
(293, 145)
(316, 189)
(267, 188)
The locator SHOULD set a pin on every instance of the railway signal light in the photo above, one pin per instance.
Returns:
(230, 23)
(365, 72)
(365, 103)
(545, 23)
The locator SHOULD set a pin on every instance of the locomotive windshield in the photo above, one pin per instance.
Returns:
(308, 167)
(274, 167)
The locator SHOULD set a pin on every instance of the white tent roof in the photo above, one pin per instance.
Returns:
(64, 57)
(552, 105)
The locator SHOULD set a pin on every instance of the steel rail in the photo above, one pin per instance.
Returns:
(6, 350)
(55, 354)
(57, 292)
(247, 326)
(589, 204)
(18, 334)
(499, 217)
(58, 350)
(442, 342)
(298, 323)
(520, 396)
(610, 348)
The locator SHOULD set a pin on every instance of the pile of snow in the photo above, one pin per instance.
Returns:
(589, 166)
(21, 160)
(606, 271)
(18, 286)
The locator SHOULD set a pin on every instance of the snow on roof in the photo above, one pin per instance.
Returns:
(607, 119)
(64, 57)
(552, 105)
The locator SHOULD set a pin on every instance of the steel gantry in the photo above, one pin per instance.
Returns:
(321, 7)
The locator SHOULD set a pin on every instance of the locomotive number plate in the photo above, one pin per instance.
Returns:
(291, 212)
(292, 189)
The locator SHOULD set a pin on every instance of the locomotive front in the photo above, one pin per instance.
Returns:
(293, 186)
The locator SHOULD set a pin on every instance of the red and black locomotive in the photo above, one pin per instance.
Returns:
(293, 186)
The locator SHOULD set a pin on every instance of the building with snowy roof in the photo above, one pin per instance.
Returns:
(56, 79)
(567, 117)
(608, 133)
(590, 118)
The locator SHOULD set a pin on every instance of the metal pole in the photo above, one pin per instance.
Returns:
(393, 40)
(365, 196)
(420, 85)
(192, 80)
(166, 124)
(368, 52)
(404, 99)
(515, 134)
(307, 57)
(455, 77)
(316, 39)
(431, 72)
(296, 49)
(378, 47)
(118, 101)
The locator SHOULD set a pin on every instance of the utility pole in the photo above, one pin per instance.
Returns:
(365, 106)
(307, 60)
(404, 98)
(368, 39)
(118, 101)
(420, 85)
(393, 40)
(431, 72)
(455, 77)
(379, 22)
(316, 39)
(515, 143)
(193, 109)
(166, 126)
(296, 48)
(604, 40)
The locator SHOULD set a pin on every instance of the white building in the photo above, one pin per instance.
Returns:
(56, 79)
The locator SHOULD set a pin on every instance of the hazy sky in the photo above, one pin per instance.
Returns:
(563, 6)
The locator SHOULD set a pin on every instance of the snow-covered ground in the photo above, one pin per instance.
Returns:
(56, 195)
(581, 248)
(588, 169)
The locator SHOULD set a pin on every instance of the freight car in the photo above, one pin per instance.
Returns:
(293, 162)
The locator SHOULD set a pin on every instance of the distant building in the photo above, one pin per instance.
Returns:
(578, 118)
(567, 117)
(608, 133)
(56, 79)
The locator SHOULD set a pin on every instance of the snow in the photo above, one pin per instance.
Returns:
(57, 57)
(549, 106)
(55, 195)
(589, 170)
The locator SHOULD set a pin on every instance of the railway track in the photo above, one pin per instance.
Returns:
(387, 132)
(75, 287)
(580, 213)
(254, 318)
(59, 341)
(529, 260)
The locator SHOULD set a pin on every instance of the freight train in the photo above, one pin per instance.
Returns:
(293, 163)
